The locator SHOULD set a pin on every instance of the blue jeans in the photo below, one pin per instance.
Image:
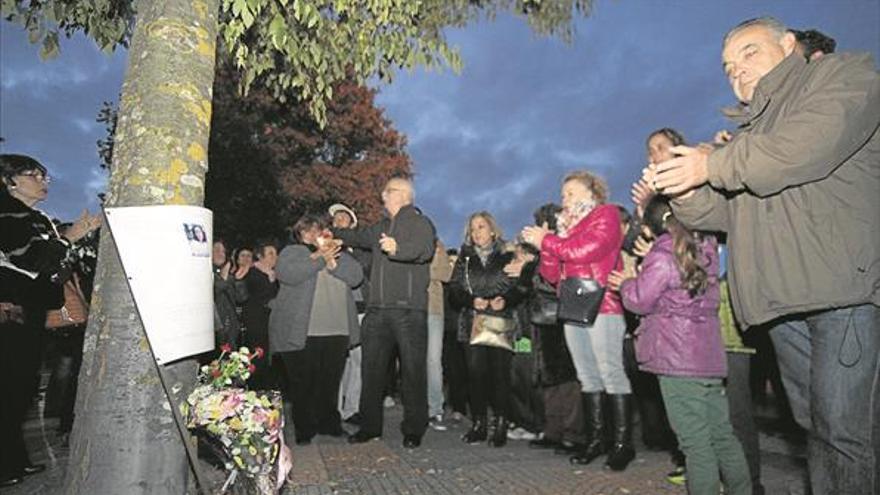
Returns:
(435, 365)
(831, 371)
(742, 419)
(597, 353)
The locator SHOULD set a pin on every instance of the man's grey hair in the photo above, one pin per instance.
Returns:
(767, 22)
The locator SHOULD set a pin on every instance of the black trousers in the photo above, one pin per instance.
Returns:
(67, 344)
(383, 329)
(489, 377)
(455, 372)
(656, 431)
(20, 356)
(526, 404)
(257, 335)
(563, 412)
(312, 377)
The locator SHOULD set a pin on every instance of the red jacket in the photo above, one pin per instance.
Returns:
(591, 250)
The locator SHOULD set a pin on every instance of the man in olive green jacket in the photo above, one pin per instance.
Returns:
(798, 192)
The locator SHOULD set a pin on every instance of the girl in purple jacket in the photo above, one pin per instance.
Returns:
(676, 291)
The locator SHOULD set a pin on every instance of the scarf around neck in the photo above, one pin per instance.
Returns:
(568, 218)
(484, 252)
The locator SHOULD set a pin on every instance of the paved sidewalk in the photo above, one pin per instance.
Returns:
(445, 465)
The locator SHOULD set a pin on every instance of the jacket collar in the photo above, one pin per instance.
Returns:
(471, 250)
(11, 204)
(403, 211)
(767, 86)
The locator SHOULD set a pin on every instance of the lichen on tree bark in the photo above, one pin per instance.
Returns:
(124, 439)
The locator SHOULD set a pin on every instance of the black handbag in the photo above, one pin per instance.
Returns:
(579, 300)
(544, 304)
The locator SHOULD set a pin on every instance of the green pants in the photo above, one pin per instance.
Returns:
(697, 410)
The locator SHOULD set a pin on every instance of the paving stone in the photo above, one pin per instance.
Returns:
(443, 465)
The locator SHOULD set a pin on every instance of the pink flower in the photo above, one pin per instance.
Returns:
(226, 348)
(259, 352)
(252, 368)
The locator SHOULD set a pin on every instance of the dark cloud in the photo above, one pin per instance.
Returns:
(499, 136)
(48, 111)
(525, 111)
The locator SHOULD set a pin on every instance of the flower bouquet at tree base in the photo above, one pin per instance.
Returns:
(244, 427)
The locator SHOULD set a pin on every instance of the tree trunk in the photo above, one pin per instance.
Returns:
(124, 439)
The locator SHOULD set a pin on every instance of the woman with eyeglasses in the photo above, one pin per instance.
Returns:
(34, 263)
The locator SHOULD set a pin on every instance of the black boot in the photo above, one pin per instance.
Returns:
(622, 451)
(499, 432)
(595, 429)
(477, 433)
(568, 448)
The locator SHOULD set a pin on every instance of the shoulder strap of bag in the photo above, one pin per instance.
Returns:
(613, 267)
(74, 282)
(467, 278)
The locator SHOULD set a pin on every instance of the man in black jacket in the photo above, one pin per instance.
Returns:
(403, 245)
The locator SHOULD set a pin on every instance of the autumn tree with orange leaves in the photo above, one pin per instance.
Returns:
(271, 162)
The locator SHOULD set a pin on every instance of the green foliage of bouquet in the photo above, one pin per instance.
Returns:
(231, 369)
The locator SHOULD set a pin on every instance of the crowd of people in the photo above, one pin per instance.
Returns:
(589, 314)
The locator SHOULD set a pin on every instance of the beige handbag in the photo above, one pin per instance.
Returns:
(493, 331)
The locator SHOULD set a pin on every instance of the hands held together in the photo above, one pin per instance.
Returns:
(329, 249)
(676, 177)
(496, 303)
(534, 235)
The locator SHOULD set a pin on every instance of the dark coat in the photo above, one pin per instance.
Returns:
(472, 279)
(291, 311)
(37, 259)
(399, 280)
(255, 314)
(227, 294)
(553, 364)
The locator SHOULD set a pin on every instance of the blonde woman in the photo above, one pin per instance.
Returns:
(480, 289)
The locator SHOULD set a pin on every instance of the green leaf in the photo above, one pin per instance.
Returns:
(278, 31)
(49, 49)
(238, 6)
(247, 18)
(314, 17)
(34, 33)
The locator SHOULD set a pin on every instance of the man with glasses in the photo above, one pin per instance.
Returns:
(402, 244)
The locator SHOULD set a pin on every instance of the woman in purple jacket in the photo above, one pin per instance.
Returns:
(679, 340)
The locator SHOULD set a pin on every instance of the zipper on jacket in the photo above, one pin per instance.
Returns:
(382, 264)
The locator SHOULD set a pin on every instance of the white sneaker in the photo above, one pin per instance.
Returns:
(527, 435)
(436, 423)
(515, 433)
